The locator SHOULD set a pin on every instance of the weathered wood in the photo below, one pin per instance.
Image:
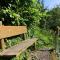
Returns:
(2, 44)
(18, 49)
(8, 31)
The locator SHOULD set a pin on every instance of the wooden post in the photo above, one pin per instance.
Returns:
(2, 44)
(25, 36)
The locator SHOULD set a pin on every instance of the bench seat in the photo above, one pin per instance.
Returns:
(19, 48)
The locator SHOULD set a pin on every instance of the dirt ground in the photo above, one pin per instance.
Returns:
(40, 55)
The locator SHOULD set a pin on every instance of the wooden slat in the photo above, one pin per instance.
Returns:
(8, 31)
(18, 49)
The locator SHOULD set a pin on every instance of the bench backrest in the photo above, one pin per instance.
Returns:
(9, 31)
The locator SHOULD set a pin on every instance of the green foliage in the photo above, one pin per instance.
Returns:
(23, 12)
(23, 56)
(45, 38)
(29, 13)
(54, 18)
(13, 41)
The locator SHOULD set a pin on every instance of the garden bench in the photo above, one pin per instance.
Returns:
(10, 31)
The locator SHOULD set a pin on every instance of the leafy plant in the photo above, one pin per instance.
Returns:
(23, 56)
(13, 41)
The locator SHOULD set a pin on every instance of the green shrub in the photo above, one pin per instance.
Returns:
(13, 41)
(23, 56)
(45, 38)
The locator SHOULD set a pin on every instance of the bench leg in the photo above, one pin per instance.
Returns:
(2, 44)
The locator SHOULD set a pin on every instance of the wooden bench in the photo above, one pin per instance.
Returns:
(10, 31)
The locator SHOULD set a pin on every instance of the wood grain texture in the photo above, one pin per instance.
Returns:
(8, 31)
(18, 49)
